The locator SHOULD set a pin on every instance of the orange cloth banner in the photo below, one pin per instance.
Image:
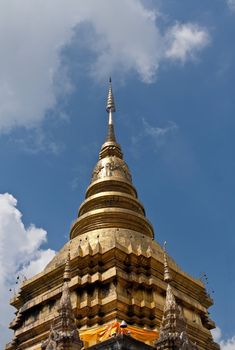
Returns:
(99, 334)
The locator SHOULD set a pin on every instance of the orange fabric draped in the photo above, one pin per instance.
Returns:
(99, 334)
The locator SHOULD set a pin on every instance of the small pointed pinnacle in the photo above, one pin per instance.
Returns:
(167, 274)
(67, 271)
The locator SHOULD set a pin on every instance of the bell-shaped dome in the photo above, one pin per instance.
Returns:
(111, 199)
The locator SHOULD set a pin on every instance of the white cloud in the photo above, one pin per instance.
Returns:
(185, 40)
(20, 254)
(231, 4)
(31, 37)
(126, 38)
(158, 135)
(135, 45)
(157, 132)
(216, 333)
(228, 344)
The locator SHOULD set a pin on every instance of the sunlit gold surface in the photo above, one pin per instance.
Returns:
(116, 266)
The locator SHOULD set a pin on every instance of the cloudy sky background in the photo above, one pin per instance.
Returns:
(173, 70)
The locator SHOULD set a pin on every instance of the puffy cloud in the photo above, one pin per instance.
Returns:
(20, 255)
(216, 333)
(135, 45)
(185, 40)
(228, 344)
(30, 40)
(126, 38)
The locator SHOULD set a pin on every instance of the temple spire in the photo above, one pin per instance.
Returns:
(173, 331)
(63, 333)
(65, 301)
(110, 108)
(110, 147)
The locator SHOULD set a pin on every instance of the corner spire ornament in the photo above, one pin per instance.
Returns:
(63, 333)
(173, 331)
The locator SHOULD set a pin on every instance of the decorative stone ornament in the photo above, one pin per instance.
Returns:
(173, 333)
(64, 334)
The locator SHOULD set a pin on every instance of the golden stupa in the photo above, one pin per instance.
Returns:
(115, 272)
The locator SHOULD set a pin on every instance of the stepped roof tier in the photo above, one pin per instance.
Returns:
(116, 269)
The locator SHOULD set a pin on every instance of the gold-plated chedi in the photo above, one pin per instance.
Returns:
(116, 273)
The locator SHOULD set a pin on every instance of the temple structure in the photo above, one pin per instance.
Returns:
(112, 286)
(173, 331)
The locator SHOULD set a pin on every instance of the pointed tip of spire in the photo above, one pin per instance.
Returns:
(110, 107)
(167, 274)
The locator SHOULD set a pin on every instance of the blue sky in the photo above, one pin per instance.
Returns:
(173, 71)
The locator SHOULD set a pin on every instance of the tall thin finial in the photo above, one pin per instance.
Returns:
(167, 274)
(110, 108)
